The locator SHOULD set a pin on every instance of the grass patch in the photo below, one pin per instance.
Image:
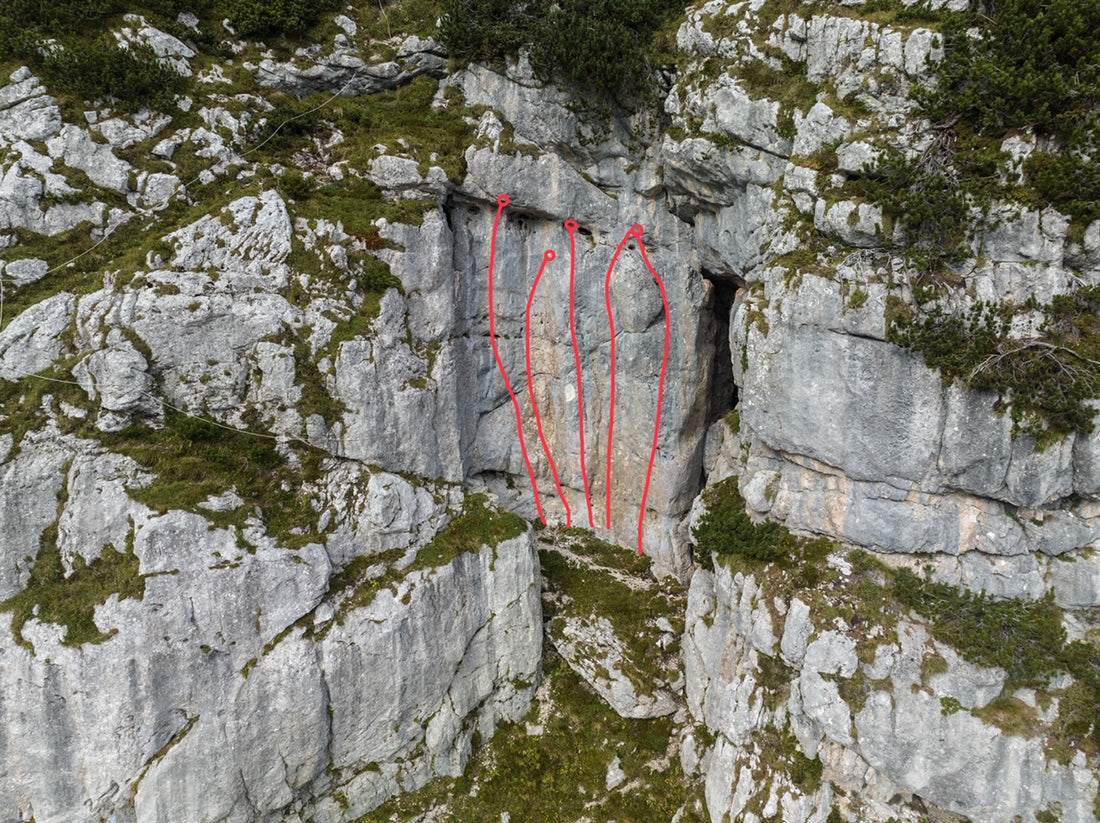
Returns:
(316, 399)
(780, 752)
(775, 678)
(24, 402)
(477, 526)
(1011, 715)
(404, 120)
(70, 601)
(359, 583)
(194, 459)
(354, 587)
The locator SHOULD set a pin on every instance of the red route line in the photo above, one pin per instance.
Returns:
(547, 258)
(611, 325)
(571, 227)
(502, 203)
(638, 231)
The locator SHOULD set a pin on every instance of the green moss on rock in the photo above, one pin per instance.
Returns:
(70, 600)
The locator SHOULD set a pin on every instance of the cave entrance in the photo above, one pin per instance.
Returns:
(723, 390)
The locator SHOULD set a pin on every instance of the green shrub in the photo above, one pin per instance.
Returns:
(602, 48)
(130, 77)
(24, 22)
(1078, 723)
(1026, 638)
(1067, 182)
(250, 18)
(1032, 64)
(295, 185)
(487, 31)
(87, 62)
(1046, 383)
(934, 196)
(726, 529)
(1036, 63)
(286, 127)
(1023, 637)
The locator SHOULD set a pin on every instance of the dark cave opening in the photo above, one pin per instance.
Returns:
(723, 389)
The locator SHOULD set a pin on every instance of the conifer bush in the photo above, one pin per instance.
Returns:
(601, 48)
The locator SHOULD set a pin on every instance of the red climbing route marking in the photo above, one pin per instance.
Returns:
(546, 260)
(611, 326)
(502, 202)
(638, 230)
(635, 233)
(571, 227)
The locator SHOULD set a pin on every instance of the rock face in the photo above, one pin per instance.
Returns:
(245, 389)
(545, 192)
(858, 440)
(898, 721)
(243, 683)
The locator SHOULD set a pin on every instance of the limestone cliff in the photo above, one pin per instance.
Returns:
(264, 539)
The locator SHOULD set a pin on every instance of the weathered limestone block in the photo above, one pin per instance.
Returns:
(31, 342)
(32, 479)
(344, 72)
(98, 513)
(594, 650)
(256, 240)
(26, 112)
(213, 701)
(75, 148)
(919, 729)
(468, 638)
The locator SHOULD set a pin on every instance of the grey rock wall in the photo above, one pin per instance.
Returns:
(245, 685)
(240, 685)
(902, 750)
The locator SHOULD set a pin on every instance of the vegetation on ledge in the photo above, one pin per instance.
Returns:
(606, 49)
(85, 60)
(70, 600)
(1022, 636)
(477, 526)
(1047, 383)
(1008, 68)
